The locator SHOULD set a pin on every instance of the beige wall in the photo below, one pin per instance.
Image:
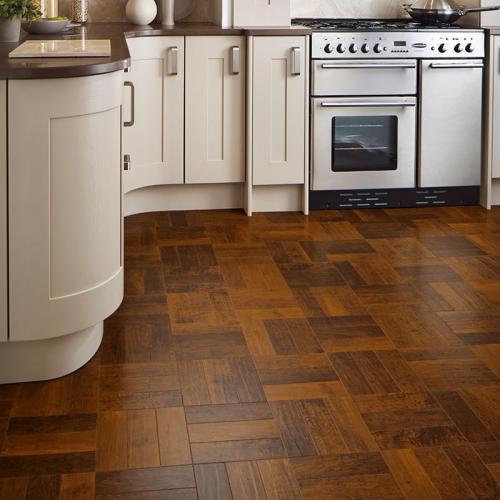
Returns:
(113, 10)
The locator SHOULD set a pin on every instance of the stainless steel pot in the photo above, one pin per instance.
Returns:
(441, 11)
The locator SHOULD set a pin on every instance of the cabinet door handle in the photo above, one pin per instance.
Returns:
(235, 60)
(131, 122)
(296, 61)
(173, 61)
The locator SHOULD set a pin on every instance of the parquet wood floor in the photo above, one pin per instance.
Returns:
(344, 355)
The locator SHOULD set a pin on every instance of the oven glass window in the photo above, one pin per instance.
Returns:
(364, 143)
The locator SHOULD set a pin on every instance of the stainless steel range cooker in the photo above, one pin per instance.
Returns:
(396, 112)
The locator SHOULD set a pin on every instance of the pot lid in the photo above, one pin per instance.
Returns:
(435, 5)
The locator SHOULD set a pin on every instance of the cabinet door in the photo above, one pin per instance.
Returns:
(279, 110)
(451, 123)
(215, 109)
(3, 211)
(155, 140)
(65, 204)
(495, 103)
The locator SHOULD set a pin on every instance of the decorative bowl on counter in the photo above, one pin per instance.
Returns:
(45, 26)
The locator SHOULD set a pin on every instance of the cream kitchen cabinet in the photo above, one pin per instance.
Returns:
(154, 112)
(3, 212)
(215, 109)
(490, 188)
(65, 209)
(279, 94)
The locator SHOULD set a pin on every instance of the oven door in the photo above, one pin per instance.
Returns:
(364, 143)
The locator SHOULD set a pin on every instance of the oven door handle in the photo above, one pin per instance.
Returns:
(457, 65)
(368, 104)
(370, 65)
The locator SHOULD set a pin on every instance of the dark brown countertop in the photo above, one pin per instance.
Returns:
(13, 69)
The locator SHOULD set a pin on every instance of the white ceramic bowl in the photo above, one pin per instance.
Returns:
(46, 26)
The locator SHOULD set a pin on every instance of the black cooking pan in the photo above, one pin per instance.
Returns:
(441, 11)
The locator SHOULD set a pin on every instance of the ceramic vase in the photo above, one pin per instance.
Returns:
(10, 29)
(167, 12)
(141, 12)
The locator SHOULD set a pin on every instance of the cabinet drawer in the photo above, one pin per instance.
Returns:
(352, 77)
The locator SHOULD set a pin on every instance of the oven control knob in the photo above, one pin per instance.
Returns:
(365, 48)
(378, 48)
(341, 48)
(459, 48)
(443, 48)
(470, 48)
(329, 48)
(353, 48)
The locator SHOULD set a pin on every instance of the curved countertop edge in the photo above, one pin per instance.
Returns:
(118, 33)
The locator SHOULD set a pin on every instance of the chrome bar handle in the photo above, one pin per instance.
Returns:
(370, 65)
(369, 104)
(131, 122)
(173, 61)
(296, 61)
(457, 65)
(235, 61)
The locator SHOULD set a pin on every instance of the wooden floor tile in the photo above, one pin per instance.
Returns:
(307, 428)
(278, 479)
(43, 487)
(144, 480)
(77, 486)
(446, 374)
(485, 402)
(212, 482)
(406, 421)
(442, 473)
(173, 437)
(349, 333)
(292, 336)
(232, 431)
(352, 427)
(473, 471)
(363, 373)
(236, 451)
(245, 481)
(49, 435)
(464, 418)
(305, 390)
(227, 413)
(33, 465)
(13, 488)
(410, 476)
(274, 370)
(368, 486)
(112, 441)
(142, 437)
(339, 466)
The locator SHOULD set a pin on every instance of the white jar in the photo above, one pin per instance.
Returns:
(167, 12)
(141, 12)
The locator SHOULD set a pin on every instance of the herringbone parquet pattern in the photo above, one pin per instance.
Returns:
(345, 355)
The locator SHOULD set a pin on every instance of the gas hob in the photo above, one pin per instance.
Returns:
(369, 25)
(391, 39)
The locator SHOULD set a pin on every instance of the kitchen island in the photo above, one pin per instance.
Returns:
(68, 127)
